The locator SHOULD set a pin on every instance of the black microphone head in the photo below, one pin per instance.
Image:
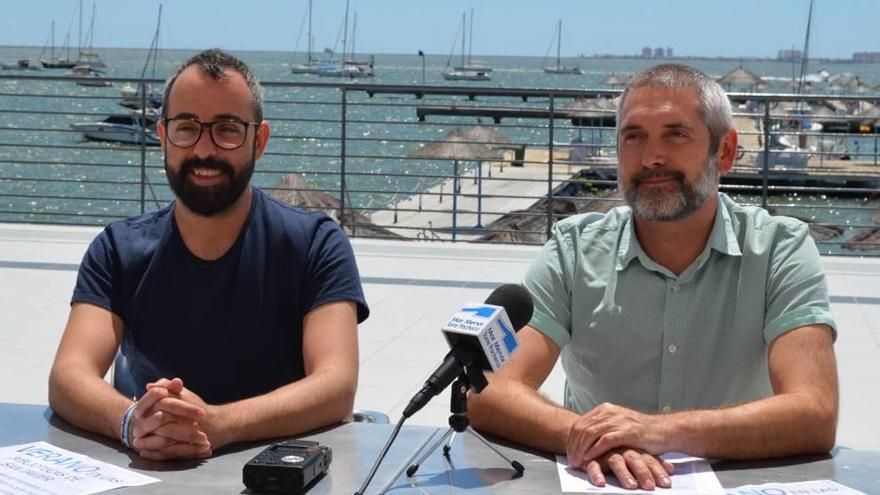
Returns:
(516, 301)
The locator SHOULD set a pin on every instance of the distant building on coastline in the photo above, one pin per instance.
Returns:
(789, 55)
(659, 52)
(873, 57)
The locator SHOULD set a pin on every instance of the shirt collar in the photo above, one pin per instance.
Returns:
(722, 238)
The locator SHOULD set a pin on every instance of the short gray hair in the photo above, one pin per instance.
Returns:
(715, 107)
(212, 62)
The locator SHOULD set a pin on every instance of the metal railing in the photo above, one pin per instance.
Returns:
(385, 161)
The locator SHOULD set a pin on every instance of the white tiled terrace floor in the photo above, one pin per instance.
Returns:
(411, 288)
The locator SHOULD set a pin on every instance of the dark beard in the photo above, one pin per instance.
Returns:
(209, 201)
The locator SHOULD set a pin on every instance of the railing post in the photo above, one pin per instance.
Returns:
(143, 120)
(551, 129)
(454, 198)
(766, 171)
(342, 153)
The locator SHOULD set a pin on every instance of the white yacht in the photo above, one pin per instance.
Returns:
(122, 128)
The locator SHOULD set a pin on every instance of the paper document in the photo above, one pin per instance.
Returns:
(820, 487)
(692, 475)
(42, 469)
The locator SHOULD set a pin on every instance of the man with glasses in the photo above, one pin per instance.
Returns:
(235, 316)
(684, 321)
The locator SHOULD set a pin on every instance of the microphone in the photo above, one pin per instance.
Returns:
(481, 337)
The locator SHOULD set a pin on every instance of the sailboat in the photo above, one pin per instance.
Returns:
(132, 97)
(347, 67)
(461, 73)
(471, 65)
(353, 68)
(88, 57)
(54, 62)
(310, 66)
(559, 68)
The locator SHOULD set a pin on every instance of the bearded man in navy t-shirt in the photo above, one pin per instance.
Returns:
(234, 316)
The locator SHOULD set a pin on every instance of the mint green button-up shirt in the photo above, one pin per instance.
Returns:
(634, 334)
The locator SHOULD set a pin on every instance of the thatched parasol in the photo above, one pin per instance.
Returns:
(588, 109)
(871, 114)
(866, 240)
(863, 88)
(742, 77)
(823, 111)
(845, 80)
(293, 190)
(820, 232)
(613, 80)
(486, 136)
(457, 146)
(528, 226)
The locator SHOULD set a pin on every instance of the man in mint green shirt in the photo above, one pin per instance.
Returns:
(685, 322)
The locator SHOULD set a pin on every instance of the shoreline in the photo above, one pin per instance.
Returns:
(582, 56)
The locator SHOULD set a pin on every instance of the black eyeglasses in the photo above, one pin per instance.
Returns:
(228, 134)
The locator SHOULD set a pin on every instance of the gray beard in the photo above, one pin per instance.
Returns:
(661, 206)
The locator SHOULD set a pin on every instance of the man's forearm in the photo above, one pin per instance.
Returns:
(317, 400)
(86, 400)
(515, 411)
(785, 424)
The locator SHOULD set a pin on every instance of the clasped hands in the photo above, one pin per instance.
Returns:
(172, 422)
(625, 442)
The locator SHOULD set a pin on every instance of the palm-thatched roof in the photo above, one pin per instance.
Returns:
(741, 77)
(457, 145)
(293, 190)
(486, 136)
(613, 80)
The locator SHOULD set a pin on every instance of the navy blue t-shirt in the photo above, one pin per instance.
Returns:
(231, 328)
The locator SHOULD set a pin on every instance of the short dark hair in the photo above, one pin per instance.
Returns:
(213, 63)
(715, 107)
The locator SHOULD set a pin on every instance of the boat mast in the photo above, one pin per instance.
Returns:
(354, 27)
(156, 51)
(471, 36)
(558, 42)
(91, 33)
(309, 56)
(345, 34)
(463, 36)
(806, 50)
(53, 41)
(154, 47)
(79, 36)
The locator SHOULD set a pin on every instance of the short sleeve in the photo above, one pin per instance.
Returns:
(333, 272)
(97, 279)
(797, 289)
(548, 280)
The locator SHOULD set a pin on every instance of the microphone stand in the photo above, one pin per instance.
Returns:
(469, 375)
(460, 423)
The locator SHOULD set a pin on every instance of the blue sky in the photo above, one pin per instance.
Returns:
(502, 27)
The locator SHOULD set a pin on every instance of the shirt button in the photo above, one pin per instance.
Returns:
(672, 349)
(667, 409)
(676, 288)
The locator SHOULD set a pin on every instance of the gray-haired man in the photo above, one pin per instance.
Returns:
(685, 322)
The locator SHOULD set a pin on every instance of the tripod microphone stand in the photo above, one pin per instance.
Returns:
(468, 375)
(460, 423)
